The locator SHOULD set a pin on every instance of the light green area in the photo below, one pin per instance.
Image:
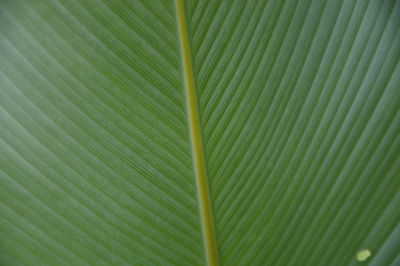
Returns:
(299, 103)
(363, 254)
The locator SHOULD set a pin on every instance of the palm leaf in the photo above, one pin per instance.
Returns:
(199, 132)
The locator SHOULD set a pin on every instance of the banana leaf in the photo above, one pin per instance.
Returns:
(195, 132)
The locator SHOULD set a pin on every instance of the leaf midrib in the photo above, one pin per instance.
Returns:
(199, 165)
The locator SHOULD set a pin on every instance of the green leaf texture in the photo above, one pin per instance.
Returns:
(299, 107)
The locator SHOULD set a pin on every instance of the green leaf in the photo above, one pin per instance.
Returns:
(196, 132)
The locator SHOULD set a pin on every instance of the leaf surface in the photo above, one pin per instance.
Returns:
(298, 120)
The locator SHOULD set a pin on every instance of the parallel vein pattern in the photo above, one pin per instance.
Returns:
(95, 160)
(299, 107)
(300, 104)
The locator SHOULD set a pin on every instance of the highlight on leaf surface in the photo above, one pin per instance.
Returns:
(363, 255)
